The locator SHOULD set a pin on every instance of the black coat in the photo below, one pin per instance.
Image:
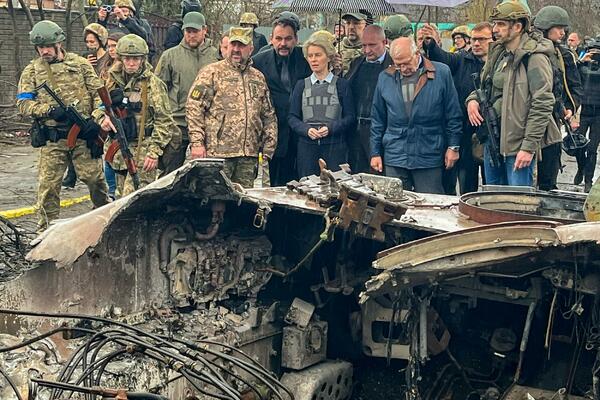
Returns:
(462, 64)
(352, 76)
(137, 26)
(573, 95)
(174, 35)
(265, 62)
(258, 41)
(357, 62)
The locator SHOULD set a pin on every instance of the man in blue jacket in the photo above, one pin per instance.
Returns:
(416, 120)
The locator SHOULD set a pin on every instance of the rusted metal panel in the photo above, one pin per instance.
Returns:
(495, 207)
(365, 214)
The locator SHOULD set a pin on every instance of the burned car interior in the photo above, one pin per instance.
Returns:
(194, 288)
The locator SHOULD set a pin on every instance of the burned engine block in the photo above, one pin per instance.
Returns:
(201, 271)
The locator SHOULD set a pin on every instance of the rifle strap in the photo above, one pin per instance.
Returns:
(142, 126)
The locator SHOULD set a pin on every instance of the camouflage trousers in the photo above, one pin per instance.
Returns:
(124, 180)
(53, 159)
(242, 170)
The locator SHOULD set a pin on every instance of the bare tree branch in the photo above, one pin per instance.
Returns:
(13, 18)
(81, 8)
(27, 11)
(68, 23)
(40, 4)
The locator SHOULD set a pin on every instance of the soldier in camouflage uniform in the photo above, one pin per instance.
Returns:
(149, 123)
(74, 79)
(229, 112)
(351, 45)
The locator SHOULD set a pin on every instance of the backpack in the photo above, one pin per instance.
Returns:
(559, 81)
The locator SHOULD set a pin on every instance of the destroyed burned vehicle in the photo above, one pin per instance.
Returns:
(195, 288)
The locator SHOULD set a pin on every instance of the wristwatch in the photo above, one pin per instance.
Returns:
(454, 148)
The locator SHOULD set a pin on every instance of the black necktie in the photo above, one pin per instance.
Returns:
(285, 74)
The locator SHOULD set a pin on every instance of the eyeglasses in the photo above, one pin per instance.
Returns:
(480, 39)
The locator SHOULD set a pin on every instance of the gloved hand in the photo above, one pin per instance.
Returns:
(116, 97)
(58, 114)
(90, 130)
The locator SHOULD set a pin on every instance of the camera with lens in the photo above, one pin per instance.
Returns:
(108, 8)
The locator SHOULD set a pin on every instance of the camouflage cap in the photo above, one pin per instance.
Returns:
(98, 30)
(125, 3)
(239, 34)
(249, 18)
(194, 20)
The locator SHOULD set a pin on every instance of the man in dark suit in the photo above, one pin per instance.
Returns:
(283, 64)
(362, 75)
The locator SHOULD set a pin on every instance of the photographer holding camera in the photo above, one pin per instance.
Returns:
(589, 67)
(124, 11)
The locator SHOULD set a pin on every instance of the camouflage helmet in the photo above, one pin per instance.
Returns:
(189, 6)
(511, 10)
(323, 34)
(396, 26)
(125, 3)
(249, 18)
(98, 30)
(551, 16)
(461, 30)
(132, 45)
(46, 33)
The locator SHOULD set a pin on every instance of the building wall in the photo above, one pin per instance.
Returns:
(8, 66)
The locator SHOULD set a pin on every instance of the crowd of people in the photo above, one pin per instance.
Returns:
(381, 97)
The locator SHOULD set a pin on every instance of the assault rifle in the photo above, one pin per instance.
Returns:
(74, 117)
(119, 139)
(490, 120)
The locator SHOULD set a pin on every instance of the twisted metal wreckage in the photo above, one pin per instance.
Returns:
(195, 288)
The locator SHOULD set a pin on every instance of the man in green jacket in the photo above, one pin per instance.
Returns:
(518, 80)
(178, 67)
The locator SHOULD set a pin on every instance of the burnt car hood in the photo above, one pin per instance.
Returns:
(514, 247)
(65, 241)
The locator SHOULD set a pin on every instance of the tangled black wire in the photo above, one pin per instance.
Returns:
(14, 244)
(215, 373)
